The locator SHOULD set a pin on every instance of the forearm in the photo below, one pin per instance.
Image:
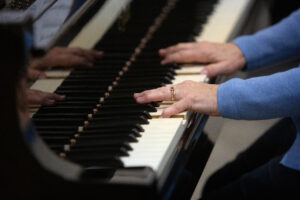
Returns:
(265, 97)
(277, 43)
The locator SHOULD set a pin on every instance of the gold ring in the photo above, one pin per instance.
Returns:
(172, 91)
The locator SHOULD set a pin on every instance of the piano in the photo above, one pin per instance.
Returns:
(99, 142)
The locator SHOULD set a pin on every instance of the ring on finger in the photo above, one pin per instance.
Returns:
(172, 92)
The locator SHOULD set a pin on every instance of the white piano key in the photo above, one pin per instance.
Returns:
(225, 20)
(160, 110)
(156, 144)
(57, 73)
(47, 85)
(181, 78)
(92, 32)
(189, 69)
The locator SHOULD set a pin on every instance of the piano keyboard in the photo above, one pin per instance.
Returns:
(100, 124)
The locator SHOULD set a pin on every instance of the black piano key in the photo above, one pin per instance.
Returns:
(67, 109)
(90, 142)
(75, 103)
(112, 131)
(79, 92)
(119, 124)
(87, 81)
(103, 161)
(137, 119)
(143, 85)
(149, 74)
(99, 68)
(56, 128)
(123, 114)
(96, 152)
(125, 136)
(164, 79)
(101, 144)
(47, 133)
(136, 107)
(58, 121)
(60, 115)
(58, 140)
(82, 98)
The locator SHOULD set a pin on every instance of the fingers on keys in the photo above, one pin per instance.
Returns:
(158, 94)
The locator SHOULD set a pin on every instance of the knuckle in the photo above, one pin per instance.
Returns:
(190, 98)
(181, 44)
(188, 82)
(146, 95)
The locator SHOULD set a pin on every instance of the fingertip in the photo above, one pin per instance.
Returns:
(162, 52)
(50, 102)
(164, 115)
(204, 72)
(99, 54)
(140, 100)
(62, 97)
(163, 62)
(136, 95)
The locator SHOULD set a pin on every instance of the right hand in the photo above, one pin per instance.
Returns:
(222, 58)
(189, 95)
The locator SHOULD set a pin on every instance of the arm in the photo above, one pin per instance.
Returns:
(279, 42)
(273, 96)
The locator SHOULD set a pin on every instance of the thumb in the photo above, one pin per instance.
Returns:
(214, 70)
(175, 108)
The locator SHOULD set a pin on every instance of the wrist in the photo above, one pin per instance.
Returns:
(214, 100)
(239, 59)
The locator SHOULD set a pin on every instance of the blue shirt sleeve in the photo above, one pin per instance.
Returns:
(277, 43)
(265, 97)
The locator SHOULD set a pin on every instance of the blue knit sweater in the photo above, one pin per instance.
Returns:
(273, 96)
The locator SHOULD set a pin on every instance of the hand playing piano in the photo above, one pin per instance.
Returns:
(43, 98)
(222, 58)
(189, 95)
(64, 57)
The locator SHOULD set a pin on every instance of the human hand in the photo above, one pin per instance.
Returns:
(43, 98)
(64, 57)
(222, 58)
(189, 95)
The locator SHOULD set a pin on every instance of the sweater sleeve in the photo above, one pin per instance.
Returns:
(265, 97)
(277, 43)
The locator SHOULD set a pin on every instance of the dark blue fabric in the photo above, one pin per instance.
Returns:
(257, 173)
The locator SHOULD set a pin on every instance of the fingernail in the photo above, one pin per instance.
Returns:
(137, 94)
(51, 102)
(137, 99)
(204, 72)
(161, 50)
(100, 54)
